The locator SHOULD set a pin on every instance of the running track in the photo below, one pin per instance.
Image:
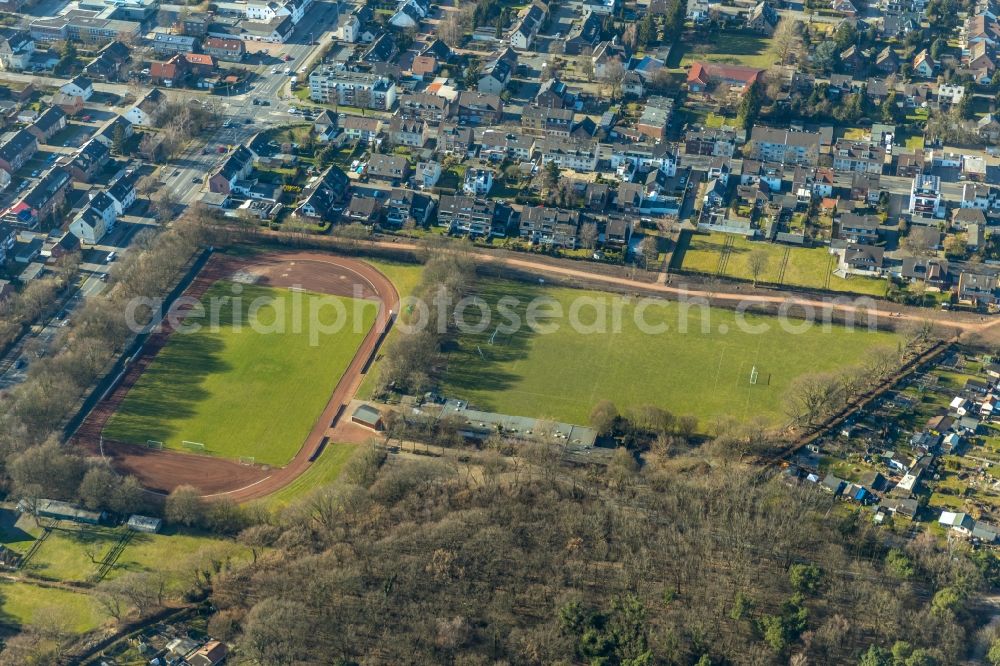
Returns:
(161, 471)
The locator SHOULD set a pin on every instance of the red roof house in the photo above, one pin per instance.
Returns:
(703, 74)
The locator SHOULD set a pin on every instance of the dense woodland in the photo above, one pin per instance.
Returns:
(503, 560)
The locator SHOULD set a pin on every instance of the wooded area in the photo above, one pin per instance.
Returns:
(503, 560)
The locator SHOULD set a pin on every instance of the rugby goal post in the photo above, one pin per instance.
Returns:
(193, 446)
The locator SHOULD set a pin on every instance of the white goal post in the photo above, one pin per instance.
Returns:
(194, 446)
(753, 375)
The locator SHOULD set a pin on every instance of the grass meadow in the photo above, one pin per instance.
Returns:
(238, 391)
(810, 267)
(563, 374)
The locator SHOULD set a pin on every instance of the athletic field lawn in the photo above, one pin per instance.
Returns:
(562, 375)
(810, 267)
(405, 277)
(325, 471)
(242, 392)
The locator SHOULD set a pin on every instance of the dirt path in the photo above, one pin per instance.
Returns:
(968, 323)
(161, 471)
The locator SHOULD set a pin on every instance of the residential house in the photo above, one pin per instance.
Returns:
(784, 146)
(424, 65)
(925, 196)
(887, 61)
(123, 193)
(977, 287)
(554, 94)
(405, 208)
(107, 66)
(42, 201)
(862, 259)
(79, 86)
(477, 182)
(17, 150)
(429, 107)
(427, 174)
(866, 187)
(407, 131)
(393, 169)
(550, 226)
(455, 140)
(547, 121)
(702, 75)
(146, 110)
(478, 108)
(950, 94)
(237, 166)
(860, 156)
(474, 216)
(583, 35)
(963, 218)
(495, 76)
(923, 65)
(16, 49)
(762, 18)
(579, 155)
(716, 142)
(978, 195)
(275, 31)
(232, 50)
(87, 161)
(608, 58)
(655, 118)
(409, 14)
(348, 28)
(632, 85)
(94, 220)
(860, 229)
(958, 522)
(364, 210)
(931, 271)
(909, 165)
(988, 128)
(528, 25)
(50, 123)
(170, 73)
(168, 44)
(382, 51)
(362, 129)
(117, 126)
(324, 195)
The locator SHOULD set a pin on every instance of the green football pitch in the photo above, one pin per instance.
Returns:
(242, 392)
(561, 375)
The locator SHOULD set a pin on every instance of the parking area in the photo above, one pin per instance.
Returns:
(74, 135)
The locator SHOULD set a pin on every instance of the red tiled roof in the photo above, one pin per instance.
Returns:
(200, 59)
(703, 73)
(163, 70)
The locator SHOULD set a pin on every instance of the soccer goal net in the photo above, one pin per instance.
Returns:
(193, 446)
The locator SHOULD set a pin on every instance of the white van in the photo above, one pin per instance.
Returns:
(112, 256)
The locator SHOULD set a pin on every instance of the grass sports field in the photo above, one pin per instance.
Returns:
(810, 267)
(563, 374)
(241, 392)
